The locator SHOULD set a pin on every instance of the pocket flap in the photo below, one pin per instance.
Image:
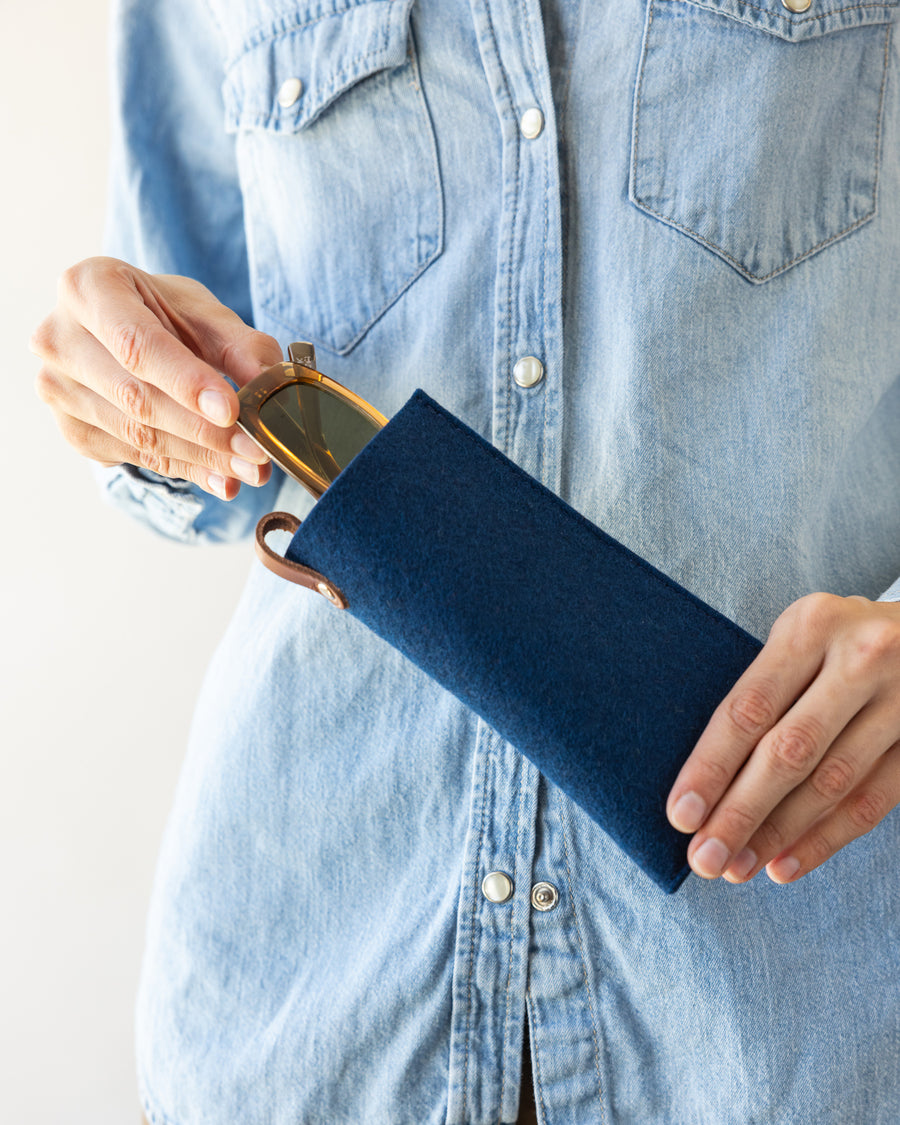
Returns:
(819, 18)
(326, 54)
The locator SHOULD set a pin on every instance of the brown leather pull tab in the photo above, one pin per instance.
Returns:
(284, 568)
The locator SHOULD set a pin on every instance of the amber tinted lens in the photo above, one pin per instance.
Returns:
(319, 427)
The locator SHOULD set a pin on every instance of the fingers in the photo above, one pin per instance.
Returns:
(103, 297)
(97, 429)
(138, 407)
(112, 442)
(169, 332)
(778, 676)
(810, 723)
(845, 764)
(99, 445)
(853, 817)
(217, 333)
(782, 760)
(139, 358)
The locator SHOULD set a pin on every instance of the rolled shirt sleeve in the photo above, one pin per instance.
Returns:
(175, 207)
(180, 510)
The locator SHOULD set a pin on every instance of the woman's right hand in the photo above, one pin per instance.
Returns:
(132, 367)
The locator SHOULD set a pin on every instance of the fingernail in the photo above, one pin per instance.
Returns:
(783, 870)
(743, 863)
(245, 447)
(688, 812)
(244, 471)
(215, 406)
(710, 858)
(217, 484)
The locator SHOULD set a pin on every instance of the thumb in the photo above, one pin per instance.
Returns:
(221, 338)
(242, 353)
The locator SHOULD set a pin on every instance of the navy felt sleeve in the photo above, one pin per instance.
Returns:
(592, 663)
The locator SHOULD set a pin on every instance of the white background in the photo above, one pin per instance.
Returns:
(105, 629)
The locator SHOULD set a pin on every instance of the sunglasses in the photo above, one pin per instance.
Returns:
(308, 424)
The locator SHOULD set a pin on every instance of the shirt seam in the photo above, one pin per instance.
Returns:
(714, 246)
(484, 743)
(587, 983)
(281, 28)
(512, 929)
(785, 21)
(504, 265)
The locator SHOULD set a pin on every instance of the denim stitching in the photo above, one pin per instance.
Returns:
(587, 984)
(564, 227)
(346, 348)
(527, 21)
(563, 147)
(511, 106)
(351, 72)
(438, 206)
(547, 302)
(509, 952)
(785, 19)
(552, 156)
(720, 251)
(739, 266)
(280, 28)
(548, 175)
(887, 44)
(636, 117)
(482, 785)
(535, 67)
(536, 1065)
(576, 518)
(513, 239)
(435, 158)
(439, 209)
(548, 165)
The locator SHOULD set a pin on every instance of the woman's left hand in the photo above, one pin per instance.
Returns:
(803, 754)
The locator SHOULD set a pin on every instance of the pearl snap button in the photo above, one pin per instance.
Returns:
(796, 5)
(497, 886)
(289, 91)
(532, 123)
(528, 371)
(544, 896)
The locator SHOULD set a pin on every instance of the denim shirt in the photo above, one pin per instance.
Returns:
(688, 213)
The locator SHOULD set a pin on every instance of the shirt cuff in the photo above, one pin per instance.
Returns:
(892, 593)
(169, 507)
(180, 510)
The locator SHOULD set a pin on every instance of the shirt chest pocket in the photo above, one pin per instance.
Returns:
(757, 130)
(343, 206)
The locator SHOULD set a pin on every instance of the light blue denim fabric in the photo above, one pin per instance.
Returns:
(702, 247)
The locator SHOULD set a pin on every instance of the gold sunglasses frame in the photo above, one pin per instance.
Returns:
(260, 390)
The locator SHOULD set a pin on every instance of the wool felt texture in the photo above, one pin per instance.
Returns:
(591, 662)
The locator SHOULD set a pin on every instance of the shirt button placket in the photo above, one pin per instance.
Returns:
(531, 123)
(528, 372)
(493, 953)
(497, 887)
(544, 896)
